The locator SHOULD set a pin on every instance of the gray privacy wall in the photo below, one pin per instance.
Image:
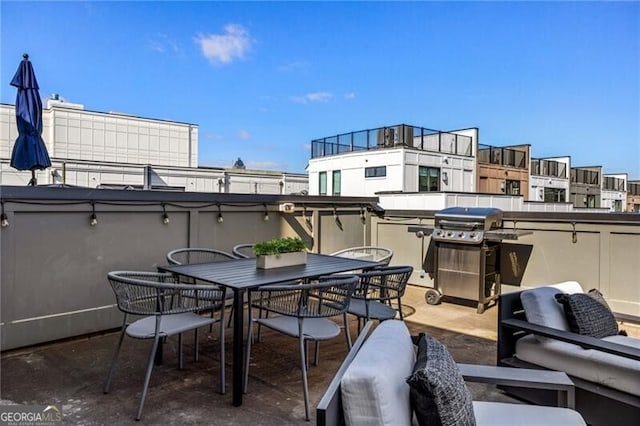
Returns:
(599, 250)
(53, 263)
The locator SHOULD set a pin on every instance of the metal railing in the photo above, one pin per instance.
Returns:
(550, 168)
(589, 177)
(502, 156)
(401, 135)
(610, 183)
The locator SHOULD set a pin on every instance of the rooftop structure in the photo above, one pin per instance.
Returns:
(116, 150)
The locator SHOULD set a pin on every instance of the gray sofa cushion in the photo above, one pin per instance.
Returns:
(588, 364)
(374, 391)
(439, 395)
(588, 316)
(507, 414)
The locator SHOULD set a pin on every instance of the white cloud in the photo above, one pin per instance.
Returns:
(313, 97)
(306, 147)
(349, 96)
(234, 43)
(243, 134)
(161, 43)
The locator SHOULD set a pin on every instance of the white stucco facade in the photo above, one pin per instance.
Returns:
(541, 180)
(395, 168)
(614, 199)
(96, 149)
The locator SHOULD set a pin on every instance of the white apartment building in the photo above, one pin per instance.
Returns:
(549, 181)
(115, 150)
(614, 192)
(399, 158)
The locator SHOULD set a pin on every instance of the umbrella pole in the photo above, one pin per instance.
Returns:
(33, 181)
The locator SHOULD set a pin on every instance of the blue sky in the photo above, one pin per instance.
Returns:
(262, 79)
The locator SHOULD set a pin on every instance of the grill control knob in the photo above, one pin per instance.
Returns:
(472, 235)
(449, 234)
(461, 235)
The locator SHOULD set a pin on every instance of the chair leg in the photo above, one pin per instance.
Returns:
(230, 314)
(114, 359)
(303, 365)
(147, 376)
(223, 385)
(180, 360)
(316, 356)
(347, 332)
(400, 309)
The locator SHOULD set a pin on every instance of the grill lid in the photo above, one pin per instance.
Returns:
(468, 225)
(470, 218)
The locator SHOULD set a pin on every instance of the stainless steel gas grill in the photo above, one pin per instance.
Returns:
(464, 255)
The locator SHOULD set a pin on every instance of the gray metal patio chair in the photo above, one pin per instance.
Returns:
(375, 291)
(168, 307)
(303, 311)
(187, 256)
(378, 254)
(243, 251)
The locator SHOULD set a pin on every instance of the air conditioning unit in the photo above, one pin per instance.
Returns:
(386, 136)
(389, 136)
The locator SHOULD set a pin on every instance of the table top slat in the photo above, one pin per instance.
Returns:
(243, 274)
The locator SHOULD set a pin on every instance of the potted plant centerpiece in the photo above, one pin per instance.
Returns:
(280, 252)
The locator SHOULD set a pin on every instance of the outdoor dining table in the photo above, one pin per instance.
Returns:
(240, 275)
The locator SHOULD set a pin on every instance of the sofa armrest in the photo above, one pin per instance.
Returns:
(587, 342)
(329, 410)
(523, 377)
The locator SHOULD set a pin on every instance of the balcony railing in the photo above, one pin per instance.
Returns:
(589, 177)
(610, 183)
(549, 168)
(502, 156)
(395, 136)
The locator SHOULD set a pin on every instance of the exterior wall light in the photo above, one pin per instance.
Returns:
(165, 216)
(93, 219)
(220, 218)
(266, 214)
(4, 221)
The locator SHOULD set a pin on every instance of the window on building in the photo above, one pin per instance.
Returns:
(335, 182)
(322, 183)
(512, 187)
(428, 179)
(554, 195)
(379, 171)
(617, 205)
(591, 201)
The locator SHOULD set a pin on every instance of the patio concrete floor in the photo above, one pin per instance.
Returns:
(71, 374)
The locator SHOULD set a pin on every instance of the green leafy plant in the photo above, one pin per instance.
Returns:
(279, 245)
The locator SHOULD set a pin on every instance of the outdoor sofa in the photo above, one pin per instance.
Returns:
(534, 331)
(372, 386)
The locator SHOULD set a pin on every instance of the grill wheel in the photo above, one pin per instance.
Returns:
(433, 296)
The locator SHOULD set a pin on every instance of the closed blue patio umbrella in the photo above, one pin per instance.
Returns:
(29, 151)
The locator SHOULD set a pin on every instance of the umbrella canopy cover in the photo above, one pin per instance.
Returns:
(29, 151)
